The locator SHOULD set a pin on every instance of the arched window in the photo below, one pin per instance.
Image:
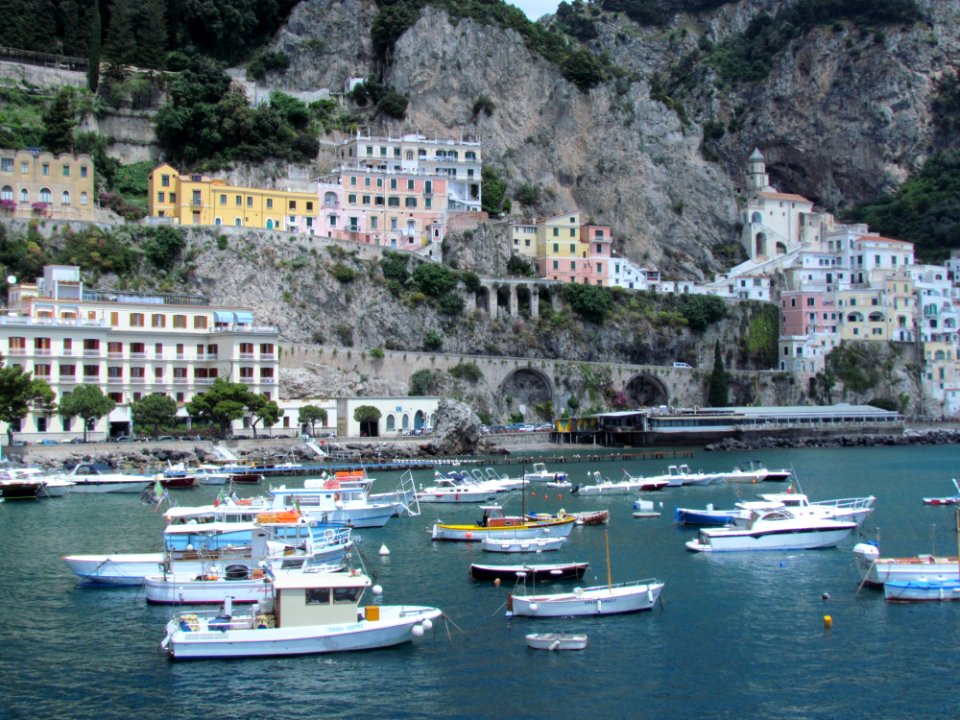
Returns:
(330, 199)
(6, 193)
(409, 154)
(238, 222)
(218, 221)
(781, 249)
(24, 195)
(83, 198)
(45, 195)
(756, 218)
(269, 224)
(418, 419)
(876, 317)
(65, 198)
(760, 244)
(391, 423)
(405, 424)
(854, 317)
(939, 355)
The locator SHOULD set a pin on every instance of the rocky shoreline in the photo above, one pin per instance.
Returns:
(932, 436)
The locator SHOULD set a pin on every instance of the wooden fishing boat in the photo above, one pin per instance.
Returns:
(538, 572)
(494, 524)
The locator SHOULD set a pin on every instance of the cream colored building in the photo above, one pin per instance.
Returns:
(36, 184)
(129, 344)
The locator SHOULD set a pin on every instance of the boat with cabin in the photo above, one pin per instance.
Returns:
(307, 613)
(778, 529)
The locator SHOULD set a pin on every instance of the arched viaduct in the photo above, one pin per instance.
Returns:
(541, 380)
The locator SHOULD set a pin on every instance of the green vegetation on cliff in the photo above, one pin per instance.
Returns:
(925, 210)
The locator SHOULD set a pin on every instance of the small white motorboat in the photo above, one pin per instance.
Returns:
(540, 474)
(522, 544)
(556, 641)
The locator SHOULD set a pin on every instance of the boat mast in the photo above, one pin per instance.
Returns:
(606, 542)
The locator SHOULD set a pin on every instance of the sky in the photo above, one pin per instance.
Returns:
(536, 9)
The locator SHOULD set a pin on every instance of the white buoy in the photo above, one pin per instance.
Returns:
(384, 550)
(427, 624)
(377, 590)
(417, 630)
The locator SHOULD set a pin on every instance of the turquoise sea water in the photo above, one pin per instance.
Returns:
(737, 635)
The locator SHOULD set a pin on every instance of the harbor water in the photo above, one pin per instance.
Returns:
(739, 635)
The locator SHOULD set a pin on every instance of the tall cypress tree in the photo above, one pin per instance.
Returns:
(93, 69)
(151, 33)
(119, 46)
(719, 393)
(59, 122)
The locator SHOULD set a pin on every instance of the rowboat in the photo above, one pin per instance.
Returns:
(556, 641)
(539, 572)
(522, 544)
(948, 500)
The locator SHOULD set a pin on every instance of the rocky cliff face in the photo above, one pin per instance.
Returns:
(843, 115)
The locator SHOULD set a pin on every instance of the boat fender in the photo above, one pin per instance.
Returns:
(562, 514)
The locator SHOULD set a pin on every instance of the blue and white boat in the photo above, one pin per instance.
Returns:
(933, 590)
(708, 516)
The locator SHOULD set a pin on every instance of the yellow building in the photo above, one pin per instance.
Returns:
(201, 200)
(862, 315)
(35, 184)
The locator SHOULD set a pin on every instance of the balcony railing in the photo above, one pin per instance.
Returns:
(114, 355)
(91, 353)
(267, 381)
(41, 351)
(181, 381)
(247, 356)
(138, 356)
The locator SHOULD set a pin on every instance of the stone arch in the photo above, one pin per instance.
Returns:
(524, 386)
(524, 293)
(781, 248)
(760, 244)
(483, 299)
(645, 390)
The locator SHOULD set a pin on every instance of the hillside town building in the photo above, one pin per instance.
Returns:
(129, 344)
(36, 185)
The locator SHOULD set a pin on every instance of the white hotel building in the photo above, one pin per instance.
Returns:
(129, 344)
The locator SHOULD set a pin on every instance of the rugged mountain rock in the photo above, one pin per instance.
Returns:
(843, 115)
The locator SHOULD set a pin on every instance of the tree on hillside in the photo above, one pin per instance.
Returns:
(93, 57)
(59, 123)
(19, 392)
(119, 46)
(88, 403)
(223, 403)
(154, 411)
(311, 415)
(719, 393)
(151, 34)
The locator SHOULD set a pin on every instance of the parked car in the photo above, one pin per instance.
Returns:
(76, 441)
(48, 441)
(126, 438)
(166, 438)
(682, 365)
